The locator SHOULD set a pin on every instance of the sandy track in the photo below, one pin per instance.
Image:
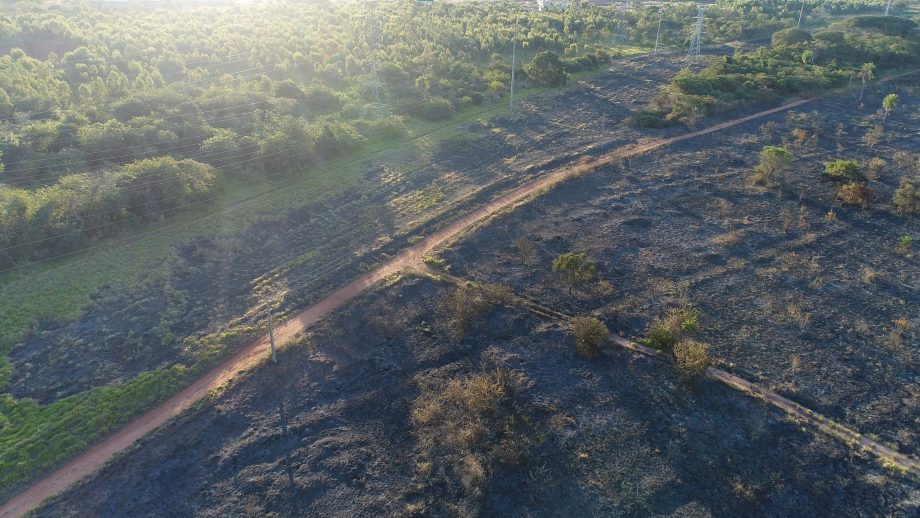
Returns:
(258, 350)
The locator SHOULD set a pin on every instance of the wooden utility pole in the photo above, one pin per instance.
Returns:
(513, 50)
(271, 337)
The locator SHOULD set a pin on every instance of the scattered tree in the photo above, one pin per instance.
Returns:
(889, 103)
(574, 268)
(866, 74)
(774, 162)
(525, 249)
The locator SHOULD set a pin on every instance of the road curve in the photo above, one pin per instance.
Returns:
(256, 351)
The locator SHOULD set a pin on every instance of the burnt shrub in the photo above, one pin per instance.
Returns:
(591, 335)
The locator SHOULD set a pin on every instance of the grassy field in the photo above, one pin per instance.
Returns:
(62, 288)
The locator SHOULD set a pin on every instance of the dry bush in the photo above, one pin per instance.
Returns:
(798, 316)
(468, 424)
(692, 359)
(869, 275)
(875, 167)
(906, 198)
(604, 288)
(591, 335)
(727, 239)
(855, 193)
(463, 307)
(873, 136)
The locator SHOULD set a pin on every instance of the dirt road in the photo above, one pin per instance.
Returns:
(257, 350)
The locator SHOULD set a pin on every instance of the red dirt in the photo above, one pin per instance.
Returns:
(258, 350)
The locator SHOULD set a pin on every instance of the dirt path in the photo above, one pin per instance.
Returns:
(257, 350)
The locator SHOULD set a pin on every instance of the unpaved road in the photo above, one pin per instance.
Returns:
(258, 350)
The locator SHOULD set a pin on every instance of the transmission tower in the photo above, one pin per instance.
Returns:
(887, 7)
(802, 10)
(658, 34)
(694, 50)
(377, 108)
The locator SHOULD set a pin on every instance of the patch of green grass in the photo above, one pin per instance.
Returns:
(35, 438)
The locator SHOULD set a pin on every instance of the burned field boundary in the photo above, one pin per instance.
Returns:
(383, 409)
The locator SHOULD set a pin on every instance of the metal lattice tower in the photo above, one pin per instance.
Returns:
(694, 50)
(887, 7)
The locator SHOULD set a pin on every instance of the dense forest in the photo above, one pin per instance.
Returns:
(849, 52)
(113, 115)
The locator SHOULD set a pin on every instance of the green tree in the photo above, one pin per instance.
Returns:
(574, 268)
(866, 74)
(889, 103)
(807, 56)
(546, 69)
(774, 162)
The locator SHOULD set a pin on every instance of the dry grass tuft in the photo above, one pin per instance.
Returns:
(466, 425)
(692, 359)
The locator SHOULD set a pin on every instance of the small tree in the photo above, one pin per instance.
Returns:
(574, 268)
(774, 161)
(866, 73)
(591, 335)
(546, 69)
(889, 103)
(525, 249)
(807, 57)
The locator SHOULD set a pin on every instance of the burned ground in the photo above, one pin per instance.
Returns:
(795, 290)
(339, 427)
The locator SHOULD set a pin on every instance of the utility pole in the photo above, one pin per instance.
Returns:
(271, 337)
(801, 10)
(658, 34)
(511, 101)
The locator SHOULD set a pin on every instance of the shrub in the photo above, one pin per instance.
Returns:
(906, 198)
(855, 193)
(774, 161)
(464, 306)
(591, 336)
(790, 37)
(692, 359)
(664, 333)
(844, 170)
(876, 167)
